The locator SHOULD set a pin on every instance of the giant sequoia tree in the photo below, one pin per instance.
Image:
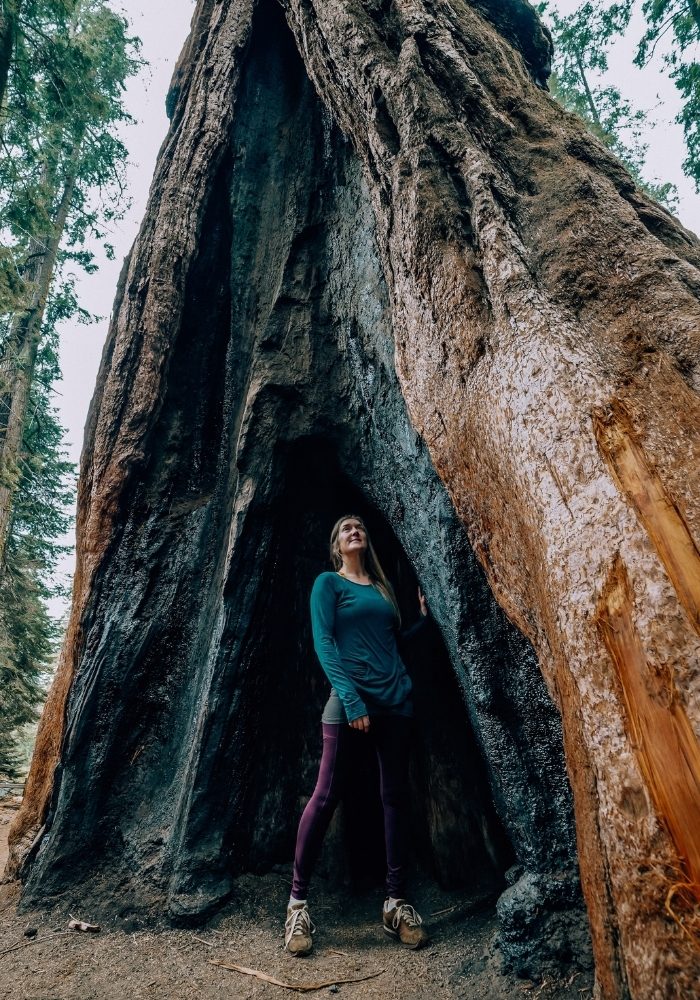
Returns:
(381, 268)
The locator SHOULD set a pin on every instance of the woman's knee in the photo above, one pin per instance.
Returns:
(323, 802)
(394, 796)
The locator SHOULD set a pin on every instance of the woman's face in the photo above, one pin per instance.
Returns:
(352, 537)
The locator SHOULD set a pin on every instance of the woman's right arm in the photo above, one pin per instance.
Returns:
(323, 600)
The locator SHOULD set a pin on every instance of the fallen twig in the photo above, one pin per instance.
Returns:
(449, 909)
(336, 951)
(37, 940)
(18, 944)
(202, 941)
(301, 987)
(474, 904)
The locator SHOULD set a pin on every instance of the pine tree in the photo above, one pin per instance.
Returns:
(42, 512)
(61, 182)
(67, 98)
(673, 30)
(580, 47)
(682, 19)
(9, 17)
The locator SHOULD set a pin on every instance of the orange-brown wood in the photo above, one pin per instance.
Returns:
(666, 747)
(657, 511)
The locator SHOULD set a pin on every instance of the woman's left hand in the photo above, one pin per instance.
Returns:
(362, 724)
(423, 603)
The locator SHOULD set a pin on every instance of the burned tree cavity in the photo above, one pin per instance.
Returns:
(381, 270)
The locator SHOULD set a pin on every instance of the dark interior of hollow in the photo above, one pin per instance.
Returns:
(457, 837)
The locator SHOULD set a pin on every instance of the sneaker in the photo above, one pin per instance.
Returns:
(298, 930)
(404, 923)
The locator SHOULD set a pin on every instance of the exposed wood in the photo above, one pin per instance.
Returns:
(379, 262)
(658, 512)
(659, 730)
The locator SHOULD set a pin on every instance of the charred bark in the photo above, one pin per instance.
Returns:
(380, 263)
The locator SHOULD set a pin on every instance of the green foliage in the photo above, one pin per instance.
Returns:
(580, 43)
(675, 26)
(42, 513)
(59, 132)
(63, 107)
(680, 18)
(673, 32)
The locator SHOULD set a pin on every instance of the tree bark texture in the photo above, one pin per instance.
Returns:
(9, 18)
(380, 262)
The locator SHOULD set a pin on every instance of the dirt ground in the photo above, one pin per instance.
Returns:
(132, 962)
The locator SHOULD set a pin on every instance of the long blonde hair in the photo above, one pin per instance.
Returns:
(372, 564)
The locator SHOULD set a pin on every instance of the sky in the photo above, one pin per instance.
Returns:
(163, 26)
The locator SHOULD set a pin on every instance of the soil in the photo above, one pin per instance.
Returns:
(127, 959)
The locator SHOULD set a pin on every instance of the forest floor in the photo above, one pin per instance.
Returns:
(126, 961)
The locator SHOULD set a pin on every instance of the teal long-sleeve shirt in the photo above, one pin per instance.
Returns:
(354, 632)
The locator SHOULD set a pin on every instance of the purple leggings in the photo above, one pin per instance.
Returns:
(390, 735)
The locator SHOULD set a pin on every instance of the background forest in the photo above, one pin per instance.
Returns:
(67, 123)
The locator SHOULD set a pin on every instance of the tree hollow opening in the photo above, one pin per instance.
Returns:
(456, 835)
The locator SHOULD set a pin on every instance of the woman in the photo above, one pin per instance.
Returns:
(355, 619)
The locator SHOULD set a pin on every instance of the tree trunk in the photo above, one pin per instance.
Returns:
(9, 18)
(381, 268)
(20, 352)
(587, 91)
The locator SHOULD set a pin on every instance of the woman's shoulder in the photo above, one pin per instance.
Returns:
(325, 589)
(326, 581)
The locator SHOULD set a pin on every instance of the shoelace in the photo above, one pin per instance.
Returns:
(407, 913)
(298, 922)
